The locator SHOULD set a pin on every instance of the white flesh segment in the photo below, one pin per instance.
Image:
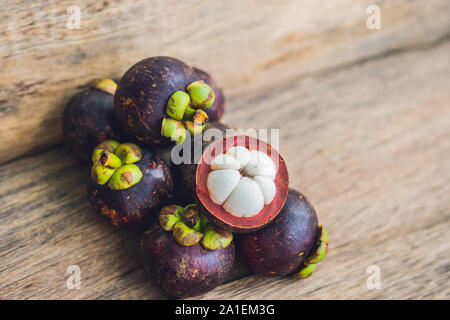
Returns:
(246, 200)
(225, 161)
(241, 154)
(260, 164)
(221, 183)
(268, 188)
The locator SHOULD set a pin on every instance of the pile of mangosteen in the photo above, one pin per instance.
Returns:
(230, 191)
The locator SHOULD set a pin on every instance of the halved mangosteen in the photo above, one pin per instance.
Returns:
(241, 183)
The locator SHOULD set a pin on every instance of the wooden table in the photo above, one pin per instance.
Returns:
(365, 131)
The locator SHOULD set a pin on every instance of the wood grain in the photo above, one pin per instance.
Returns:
(370, 146)
(247, 46)
(47, 225)
(367, 142)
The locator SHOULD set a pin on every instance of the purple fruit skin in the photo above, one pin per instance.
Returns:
(88, 120)
(139, 204)
(184, 271)
(142, 94)
(215, 112)
(285, 243)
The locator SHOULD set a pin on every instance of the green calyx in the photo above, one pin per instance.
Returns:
(105, 85)
(202, 95)
(125, 177)
(101, 174)
(305, 272)
(178, 102)
(169, 216)
(215, 238)
(173, 129)
(113, 164)
(193, 128)
(189, 227)
(199, 117)
(108, 145)
(129, 153)
(192, 216)
(187, 107)
(318, 253)
(186, 236)
(109, 159)
(321, 248)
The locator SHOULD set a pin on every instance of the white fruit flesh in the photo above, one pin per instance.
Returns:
(223, 182)
(241, 154)
(246, 200)
(260, 164)
(225, 161)
(267, 187)
(242, 181)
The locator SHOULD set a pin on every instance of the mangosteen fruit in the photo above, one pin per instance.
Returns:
(185, 254)
(240, 182)
(215, 112)
(158, 98)
(292, 243)
(88, 118)
(129, 184)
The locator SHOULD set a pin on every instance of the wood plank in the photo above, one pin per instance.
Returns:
(370, 147)
(44, 63)
(47, 225)
(367, 144)
(413, 261)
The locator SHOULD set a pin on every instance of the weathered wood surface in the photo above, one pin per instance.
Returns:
(368, 144)
(365, 135)
(248, 46)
